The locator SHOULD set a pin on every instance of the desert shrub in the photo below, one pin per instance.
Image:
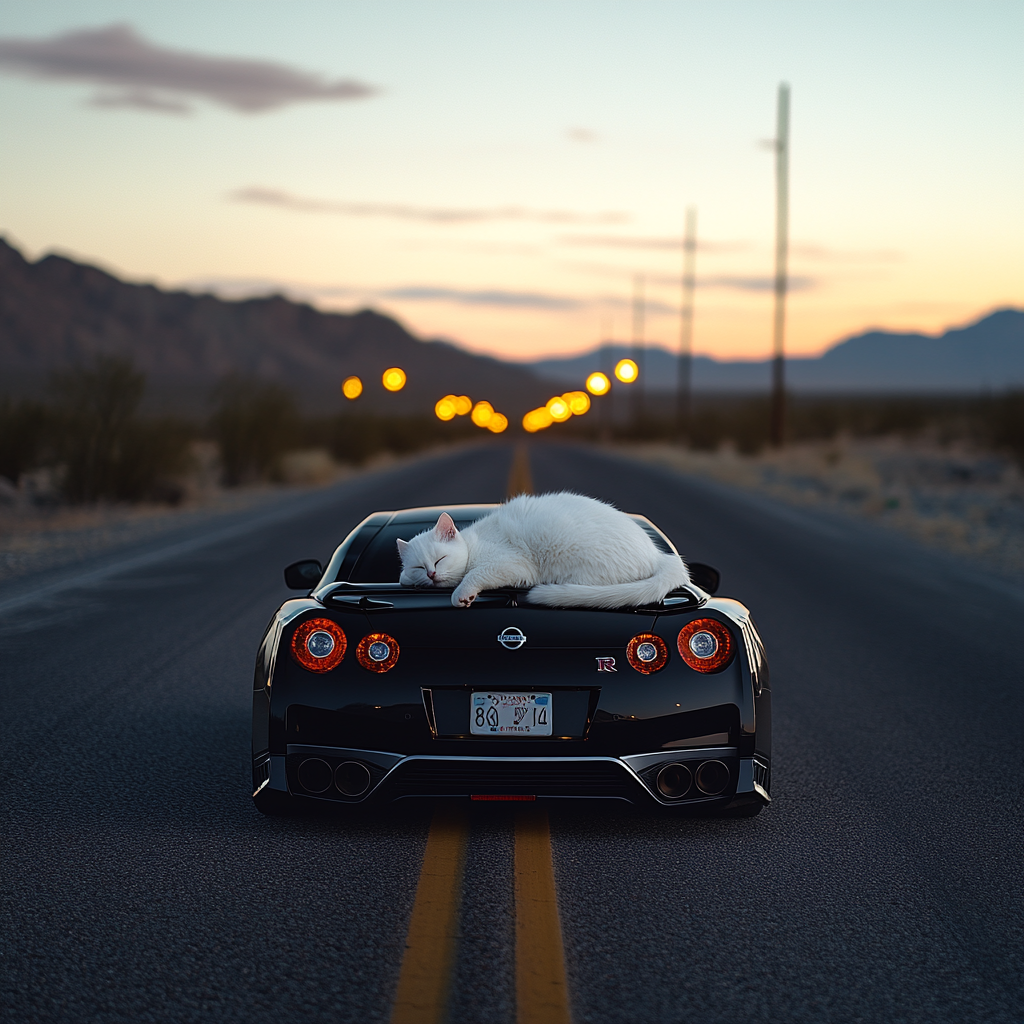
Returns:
(26, 437)
(1003, 423)
(254, 424)
(106, 450)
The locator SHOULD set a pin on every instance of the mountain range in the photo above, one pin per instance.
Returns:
(985, 355)
(58, 312)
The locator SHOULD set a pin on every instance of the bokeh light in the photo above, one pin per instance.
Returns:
(463, 403)
(445, 408)
(351, 387)
(394, 379)
(598, 383)
(537, 419)
(559, 409)
(482, 413)
(579, 402)
(497, 423)
(626, 370)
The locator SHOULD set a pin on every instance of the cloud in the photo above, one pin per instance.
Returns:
(581, 135)
(439, 215)
(672, 242)
(490, 297)
(135, 73)
(821, 253)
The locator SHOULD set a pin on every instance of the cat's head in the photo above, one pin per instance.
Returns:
(434, 558)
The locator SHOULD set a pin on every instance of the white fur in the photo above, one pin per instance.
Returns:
(572, 550)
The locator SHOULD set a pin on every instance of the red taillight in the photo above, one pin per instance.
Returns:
(705, 645)
(319, 645)
(647, 653)
(377, 652)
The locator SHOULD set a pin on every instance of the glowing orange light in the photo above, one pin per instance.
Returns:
(497, 423)
(537, 419)
(647, 653)
(626, 370)
(394, 379)
(445, 408)
(598, 383)
(705, 645)
(377, 652)
(314, 651)
(351, 387)
(559, 409)
(579, 402)
(463, 403)
(482, 413)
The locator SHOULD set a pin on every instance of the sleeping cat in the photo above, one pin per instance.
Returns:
(572, 550)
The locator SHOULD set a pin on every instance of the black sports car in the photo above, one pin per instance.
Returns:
(368, 691)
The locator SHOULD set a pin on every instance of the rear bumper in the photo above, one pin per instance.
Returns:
(323, 776)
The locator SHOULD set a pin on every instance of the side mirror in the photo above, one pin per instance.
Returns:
(304, 575)
(707, 577)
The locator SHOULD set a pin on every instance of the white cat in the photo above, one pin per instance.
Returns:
(572, 550)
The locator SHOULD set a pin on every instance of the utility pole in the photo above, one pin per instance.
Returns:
(684, 381)
(638, 348)
(778, 423)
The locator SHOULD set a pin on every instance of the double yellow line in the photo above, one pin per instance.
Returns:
(424, 984)
(542, 996)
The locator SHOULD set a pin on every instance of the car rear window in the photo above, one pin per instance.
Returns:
(379, 563)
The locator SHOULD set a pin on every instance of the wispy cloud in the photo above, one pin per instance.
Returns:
(674, 242)
(132, 72)
(439, 215)
(821, 253)
(486, 297)
(728, 282)
(495, 298)
(581, 135)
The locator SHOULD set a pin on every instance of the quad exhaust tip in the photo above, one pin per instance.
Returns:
(675, 780)
(352, 778)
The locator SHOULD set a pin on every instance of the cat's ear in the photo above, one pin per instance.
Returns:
(444, 529)
(402, 545)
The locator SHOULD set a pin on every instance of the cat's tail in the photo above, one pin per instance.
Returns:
(671, 573)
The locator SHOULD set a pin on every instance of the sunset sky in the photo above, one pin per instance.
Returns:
(497, 173)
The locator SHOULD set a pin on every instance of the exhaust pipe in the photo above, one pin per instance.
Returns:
(352, 778)
(674, 781)
(315, 775)
(712, 778)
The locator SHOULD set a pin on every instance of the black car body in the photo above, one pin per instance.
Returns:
(393, 718)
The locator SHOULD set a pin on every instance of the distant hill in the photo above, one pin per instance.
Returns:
(986, 355)
(56, 312)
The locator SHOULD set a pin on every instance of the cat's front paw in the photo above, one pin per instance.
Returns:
(463, 600)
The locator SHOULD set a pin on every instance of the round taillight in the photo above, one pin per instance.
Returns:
(377, 652)
(319, 645)
(647, 653)
(705, 645)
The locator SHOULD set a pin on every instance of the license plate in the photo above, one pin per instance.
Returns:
(510, 714)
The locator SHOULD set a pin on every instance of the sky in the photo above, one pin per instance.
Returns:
(501, 174)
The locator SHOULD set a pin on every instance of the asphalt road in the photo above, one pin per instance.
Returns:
(884, 883)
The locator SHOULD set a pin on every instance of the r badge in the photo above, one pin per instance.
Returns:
(606, 665)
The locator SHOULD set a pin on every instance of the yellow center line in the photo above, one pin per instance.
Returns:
(542, 996)
(520, 480)
(425, 978)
